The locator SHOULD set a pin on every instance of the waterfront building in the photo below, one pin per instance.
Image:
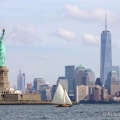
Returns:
(17, 98)
(29, 85)
(21, 82)
(117, 94)
(37, 82)
(90, 92)
(116, 68)
(97, 93)
(70, 76)
(98, 82)
(106, 55)
(48, 94)
(45, 92)
(88, 77)
(112, 83)
(64, 82)
(104, 94)
(53, 90)
(78, 75)
(81, 93)
(113, 89)
(32, 90)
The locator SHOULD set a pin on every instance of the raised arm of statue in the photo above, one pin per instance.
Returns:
(2, 35)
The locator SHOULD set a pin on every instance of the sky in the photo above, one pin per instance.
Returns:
(44, 36)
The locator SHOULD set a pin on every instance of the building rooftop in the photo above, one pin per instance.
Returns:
(88, 70)
(61, 78)
(80, 67)
(113, 72)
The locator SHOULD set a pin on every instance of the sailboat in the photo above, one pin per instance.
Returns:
(61, 98)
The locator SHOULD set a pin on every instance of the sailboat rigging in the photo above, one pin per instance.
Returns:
(61, 98)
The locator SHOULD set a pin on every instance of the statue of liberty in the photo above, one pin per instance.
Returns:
(2, 50)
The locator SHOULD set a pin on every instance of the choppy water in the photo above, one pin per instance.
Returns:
(49, 112)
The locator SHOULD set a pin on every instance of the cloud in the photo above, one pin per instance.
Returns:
(74, 11)
(89, 39)
(23, 34)
(93, 40)
(86, 15)
(65, 34)
(30, 55)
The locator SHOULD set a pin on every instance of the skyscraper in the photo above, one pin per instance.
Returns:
(88, 77)
(37, 82)
(98, 82)
(106, 54)
(24, 78)
(112, 83)
(21, 81)
(70, 76)
(78, 75)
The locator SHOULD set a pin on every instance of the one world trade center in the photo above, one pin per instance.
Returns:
(106, 54)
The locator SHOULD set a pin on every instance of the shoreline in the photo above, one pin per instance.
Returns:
(27, 102)
(38, 102)
(98, 102)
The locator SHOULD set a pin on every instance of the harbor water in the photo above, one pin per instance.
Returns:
(50, 112)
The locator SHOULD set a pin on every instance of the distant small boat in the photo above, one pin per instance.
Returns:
(61, 98)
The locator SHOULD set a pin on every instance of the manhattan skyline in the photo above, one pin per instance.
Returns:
(45, 36)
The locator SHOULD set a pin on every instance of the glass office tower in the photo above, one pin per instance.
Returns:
(106, 55)
(70, 76)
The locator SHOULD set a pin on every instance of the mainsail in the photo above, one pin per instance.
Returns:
(61, 96)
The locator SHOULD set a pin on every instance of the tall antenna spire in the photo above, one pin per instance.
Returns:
(105, 21)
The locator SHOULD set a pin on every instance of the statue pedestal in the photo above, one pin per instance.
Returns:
(4, 83)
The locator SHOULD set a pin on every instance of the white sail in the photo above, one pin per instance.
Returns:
(59, 96)
(67, 99)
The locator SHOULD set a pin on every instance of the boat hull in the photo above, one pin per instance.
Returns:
(63, 105)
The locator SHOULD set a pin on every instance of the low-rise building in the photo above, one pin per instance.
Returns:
(45, 92)
(81, 93)
(104, 94)
(29, 85)
(20, 97)
(97, 93)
